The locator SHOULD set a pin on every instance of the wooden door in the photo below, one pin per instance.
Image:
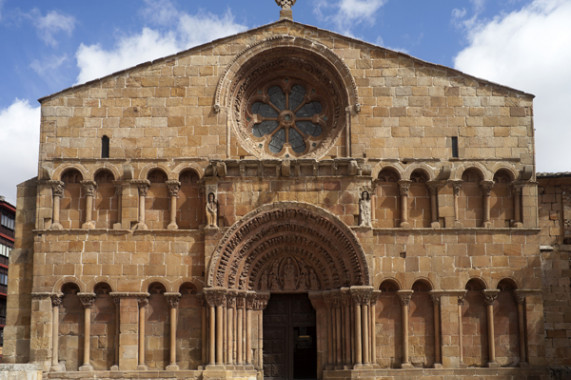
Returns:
(290, 349)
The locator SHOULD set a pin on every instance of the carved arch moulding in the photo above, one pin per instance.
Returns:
(287, 97)
(288, 247)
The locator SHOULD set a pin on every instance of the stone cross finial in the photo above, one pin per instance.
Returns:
(286, 5)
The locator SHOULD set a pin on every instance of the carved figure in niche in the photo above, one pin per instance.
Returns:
(264, 281)
(289, 275)
(303, 278)
(211, 211)
(313, 281)
(365, 210)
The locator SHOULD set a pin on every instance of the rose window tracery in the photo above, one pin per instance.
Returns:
(287, 115)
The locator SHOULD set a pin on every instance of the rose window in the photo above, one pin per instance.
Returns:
(286, 118)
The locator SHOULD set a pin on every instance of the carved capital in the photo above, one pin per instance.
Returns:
(519, 297)
(143, 301)
(285, 4)
(173, 299)
(143, 186)
(404, 296)
(433, 187)
(215, 296)
(87, 299)
(404, 186)
(89, 187)
(490, 296)
(173, 187)
(436, 298)
(456, 187)
(57, 188)
(261, 301)
(487, 187)
(57, 299)
(361, 294)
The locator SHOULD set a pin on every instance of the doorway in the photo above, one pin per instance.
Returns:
(290, 347)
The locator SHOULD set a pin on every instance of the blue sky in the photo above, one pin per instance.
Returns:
(47, 46)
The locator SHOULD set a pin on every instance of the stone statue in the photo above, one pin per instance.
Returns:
(313, 281)
(211, 211)
(289, 274)
(365, 210)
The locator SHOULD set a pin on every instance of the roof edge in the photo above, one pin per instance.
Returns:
(351, 39)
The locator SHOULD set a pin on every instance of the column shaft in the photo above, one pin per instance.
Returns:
(405, 359)
(173, 336)
(358, 335)
(521, 330)
(365, 323)
(219, 334)
(491, 343)
(86, 336)
(142, 318)
(55, 335)
(212, 339)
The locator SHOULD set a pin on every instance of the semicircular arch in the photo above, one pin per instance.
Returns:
(282, 244)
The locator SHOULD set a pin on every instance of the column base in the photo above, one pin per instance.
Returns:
(458, 224)
(487, 224)
(438, 365)
(140, 226)
(56, 226)
(172, 367)
(405, 225)
(493, 365)
(56, 368)
(88, 225)
(435, 225)
(172, 226)
(142, 367)
(517, 224)
(117, 226)
(86, 368)
(406, 365)
(114, 368)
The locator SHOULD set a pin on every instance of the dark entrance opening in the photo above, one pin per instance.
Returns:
(290, 344)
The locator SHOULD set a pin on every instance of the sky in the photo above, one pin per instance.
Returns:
(47, 46)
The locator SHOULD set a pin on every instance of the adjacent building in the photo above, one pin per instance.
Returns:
(290, 203)
(7, 224)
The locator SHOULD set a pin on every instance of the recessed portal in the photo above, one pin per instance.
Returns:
(290, 347)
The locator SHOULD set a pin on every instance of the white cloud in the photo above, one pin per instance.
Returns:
(347, 13)
(48, 64)
(19, 139)
(51, 24)
(186, 31)
(530, 49)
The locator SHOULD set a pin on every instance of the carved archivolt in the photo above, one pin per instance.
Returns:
(288, 247)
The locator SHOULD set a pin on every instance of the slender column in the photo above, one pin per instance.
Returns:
(119, 194)
(87, 300)
(56, 303)
(348, 130)
(437, 345)
(241, 300)
(57, 195)
(404, 186)
(173, 299)
(347, 325)
(365, 324)
(456, 187)
(338, 342)
(520, 299)
(460, 328)
(117, 340)
(328, 300)
(173, 187)
(433, 188)
(489, 298)
(231, 342)
(212, 340)
(250, 299)
(260, 303)
(143, 301)
(373, 322)
(143, 186)
(358, 335)
(486, 190)
(404, 296)
(89, 187)
(516, 193)
(205, 332)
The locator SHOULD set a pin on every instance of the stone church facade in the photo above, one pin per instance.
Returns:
(289, 203)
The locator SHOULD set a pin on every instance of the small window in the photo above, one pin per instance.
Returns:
(105, 147)
(454, 146)
(7, 222)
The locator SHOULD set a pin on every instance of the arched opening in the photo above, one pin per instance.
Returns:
(421, 325)
(283, 253)
(157, 328)
(189, 328)
(506, 329)
(157, 201)
(106, 204)
(474, 325)
(190, 205)
(470, 199)
(389, 326)
(103, 329)
(71, 328)
(387, 206)
(501, 199)
(72, 204)
(419, 200)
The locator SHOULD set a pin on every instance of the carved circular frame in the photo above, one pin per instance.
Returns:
(275, 232)
(277, 58)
